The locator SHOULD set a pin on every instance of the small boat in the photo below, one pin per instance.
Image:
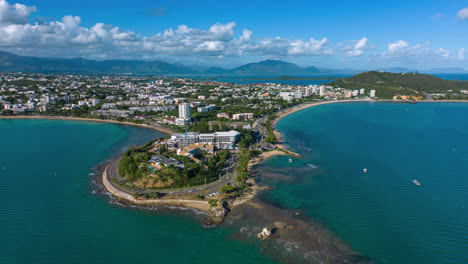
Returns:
(290, 160)
(417, 182)
(364, 170)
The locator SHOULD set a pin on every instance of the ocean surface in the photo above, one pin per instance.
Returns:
(381, 214)
(49, 214)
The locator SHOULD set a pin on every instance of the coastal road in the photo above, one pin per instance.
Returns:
(226, 176)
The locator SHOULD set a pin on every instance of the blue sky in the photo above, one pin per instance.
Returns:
(336, 34)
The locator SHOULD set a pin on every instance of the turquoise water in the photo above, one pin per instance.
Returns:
(49, 215)
(382, 214)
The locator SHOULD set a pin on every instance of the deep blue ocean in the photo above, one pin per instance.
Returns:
(381, 214)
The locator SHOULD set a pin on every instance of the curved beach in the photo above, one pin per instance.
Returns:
(158, 128)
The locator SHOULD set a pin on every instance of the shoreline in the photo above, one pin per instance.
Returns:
(186, 203)
(291, 110)
(158, 128)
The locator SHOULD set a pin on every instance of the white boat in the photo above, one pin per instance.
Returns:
(364, 170)
(290, 160)
(417, 182)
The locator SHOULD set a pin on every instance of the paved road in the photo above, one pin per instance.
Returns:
(226, 177)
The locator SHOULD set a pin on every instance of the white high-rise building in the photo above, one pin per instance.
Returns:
(185, 111)
(298, 94)
(308, 92)
(322, 90)
(314, 89)
(372, 93)
(355, 93)
(361, 92)
(185, 115)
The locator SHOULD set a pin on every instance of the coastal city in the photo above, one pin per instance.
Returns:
(253, 132)
(215, 128)
(156, 100)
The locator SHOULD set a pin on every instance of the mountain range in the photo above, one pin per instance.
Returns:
(14, 63)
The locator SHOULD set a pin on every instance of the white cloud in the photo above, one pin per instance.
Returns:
(461, 54)
(15, 14)
(463, 14)
(359, 48)
(67, 37)
(397, 46)
(402, 49)
(286, 47)
(443, 52)
(403, 52)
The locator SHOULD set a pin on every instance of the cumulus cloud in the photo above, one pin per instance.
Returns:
(359, 48)
(403, 51)
(14, 14)
(443, 52)
(286, 47)
(463, 14)
(67, 37)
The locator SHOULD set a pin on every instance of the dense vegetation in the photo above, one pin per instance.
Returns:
(232, 191)
(134, 167)
(388, 84)
(270, 138)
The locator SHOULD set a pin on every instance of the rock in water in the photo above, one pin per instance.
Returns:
(265, 234)
(216, 216)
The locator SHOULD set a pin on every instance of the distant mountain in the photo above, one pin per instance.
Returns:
(388, 84)
(312, 69)
(446, 70)
(14, 63)
(272, 67)
(216, 70)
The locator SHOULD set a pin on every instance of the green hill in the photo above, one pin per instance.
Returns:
(388, 84)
